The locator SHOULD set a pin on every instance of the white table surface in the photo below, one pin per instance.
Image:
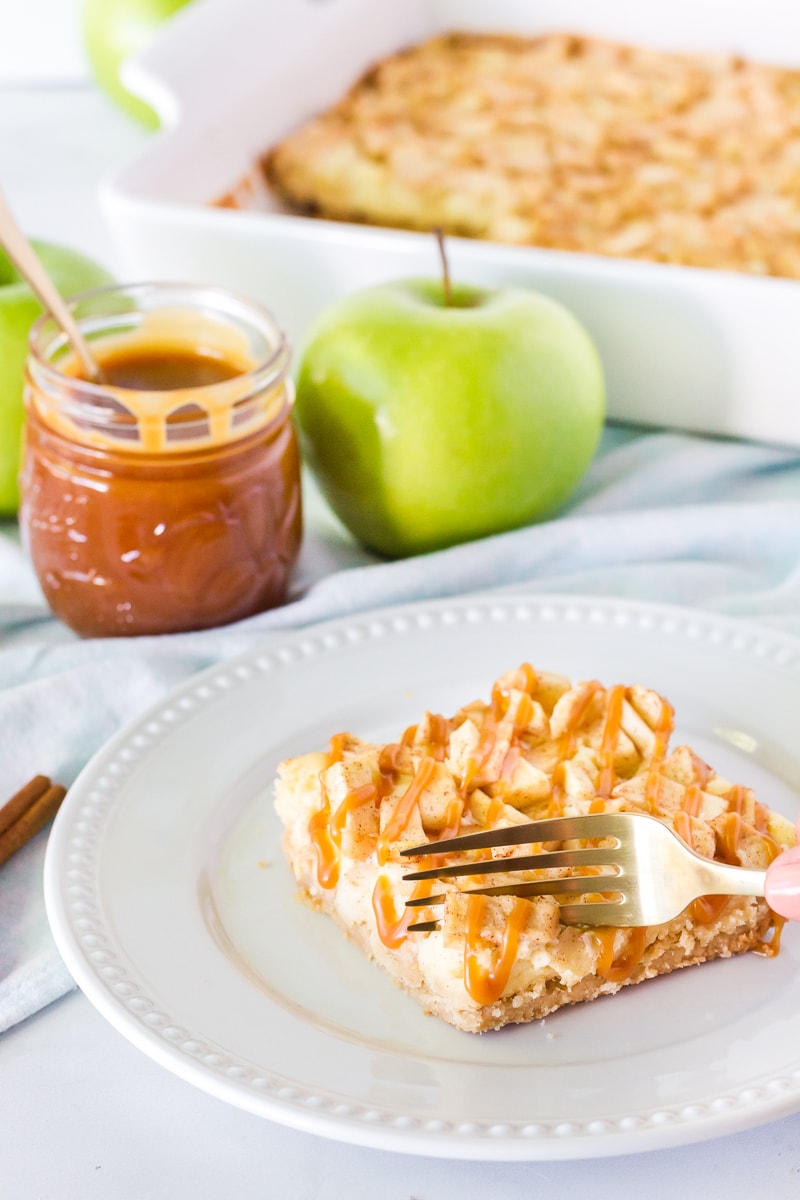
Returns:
(85, 1114)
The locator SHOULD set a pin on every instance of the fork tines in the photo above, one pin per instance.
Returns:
(552, 829)
(597, 826)
(527, 862)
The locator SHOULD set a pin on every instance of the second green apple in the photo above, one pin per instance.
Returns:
(71, 272)
(430, 423)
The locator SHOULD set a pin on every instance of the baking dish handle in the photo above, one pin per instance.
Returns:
(175, 73)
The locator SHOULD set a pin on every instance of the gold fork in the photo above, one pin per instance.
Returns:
(650, 874)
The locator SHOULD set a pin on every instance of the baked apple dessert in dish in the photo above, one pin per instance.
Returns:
(566, 142)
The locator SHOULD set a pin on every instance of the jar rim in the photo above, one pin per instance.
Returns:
(277, 362)
(145, 420)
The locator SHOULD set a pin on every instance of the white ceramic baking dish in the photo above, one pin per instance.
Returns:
(696, 349)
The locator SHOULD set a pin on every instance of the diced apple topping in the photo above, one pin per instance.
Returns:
(436, 799)
(491, 757)
(702, 839)
(577, 709)
(464, 742)
(541, 924)
(412, 833)
(578, 777)
(648, 704)
(685, 767)
(538, 748)
(550, 689)
(360, 833)
(642, 738)
(523, 786)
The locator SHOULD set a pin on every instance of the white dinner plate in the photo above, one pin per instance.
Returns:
(174, 910)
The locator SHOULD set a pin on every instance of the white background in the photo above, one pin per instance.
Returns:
(40, 40)
(83, 1113)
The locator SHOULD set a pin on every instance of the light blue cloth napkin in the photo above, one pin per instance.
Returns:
(666, 517)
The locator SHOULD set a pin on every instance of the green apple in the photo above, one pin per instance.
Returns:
(429, 422)
(112, 31)
(71, 272)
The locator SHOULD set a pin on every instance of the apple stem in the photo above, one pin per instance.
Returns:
(448, 292)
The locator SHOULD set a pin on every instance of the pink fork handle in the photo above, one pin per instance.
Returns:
(782, 890)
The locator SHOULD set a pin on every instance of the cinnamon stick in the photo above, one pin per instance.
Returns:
(27, 812)
(20, 803)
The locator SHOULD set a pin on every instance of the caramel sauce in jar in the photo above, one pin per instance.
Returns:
(166, 497)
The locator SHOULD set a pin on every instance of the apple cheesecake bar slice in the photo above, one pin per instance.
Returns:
(539, 746)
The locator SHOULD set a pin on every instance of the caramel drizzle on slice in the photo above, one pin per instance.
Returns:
(611, 732)
(531, 679)
(730, 835)
(452, 819)
(662, 731)
(404, 807)
(495, 811)
(772, 948)
(336, 748)
(617, 968)
(438, 740)
(762, 822)
(325, 828)
(388, 768)
(488, 733)
(485, 985)
(358, 796)
(732, 830)
(524, 713)
(513, 755)
(692, 800)
(702, 771)
(393, 926)
(439, 737)
(501, 697)
(486, 744)
(325, 849)
(500, 702)
(705, 909)
(325, 831)
(567, 746)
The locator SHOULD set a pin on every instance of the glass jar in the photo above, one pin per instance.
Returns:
(165, 498)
